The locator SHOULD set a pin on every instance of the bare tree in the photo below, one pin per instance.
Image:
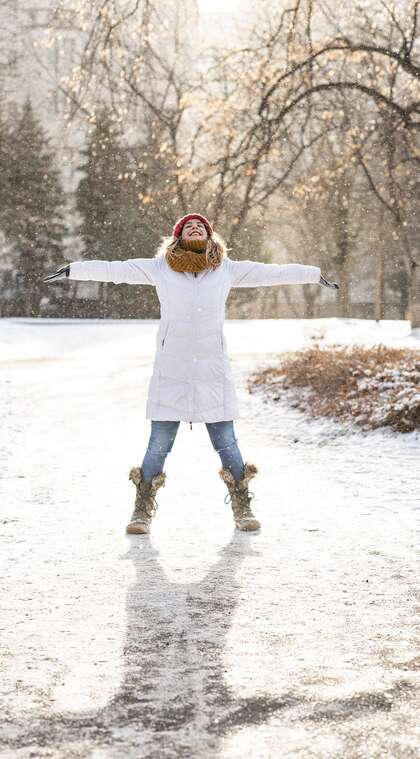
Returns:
(373, 53)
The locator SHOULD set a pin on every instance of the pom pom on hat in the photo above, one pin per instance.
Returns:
(177, 230)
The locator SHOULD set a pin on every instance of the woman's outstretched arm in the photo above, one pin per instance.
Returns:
(133, 271)
(256, 273)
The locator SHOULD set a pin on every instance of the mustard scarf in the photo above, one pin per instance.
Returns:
(193, 255)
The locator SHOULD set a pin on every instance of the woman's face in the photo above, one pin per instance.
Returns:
(194, 229)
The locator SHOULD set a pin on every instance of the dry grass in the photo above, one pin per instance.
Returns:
(373, 387)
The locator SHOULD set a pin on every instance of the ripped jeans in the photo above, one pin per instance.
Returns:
(162, 437)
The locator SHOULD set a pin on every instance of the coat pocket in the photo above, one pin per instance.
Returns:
(163, 338)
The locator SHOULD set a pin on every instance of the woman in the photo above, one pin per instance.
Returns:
(192, 379)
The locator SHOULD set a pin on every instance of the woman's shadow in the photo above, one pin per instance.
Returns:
(175, 656)
(173, 699)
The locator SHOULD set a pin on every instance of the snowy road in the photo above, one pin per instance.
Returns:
(301, 641)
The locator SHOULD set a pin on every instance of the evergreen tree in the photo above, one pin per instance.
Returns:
(4, 167)
(32, 218)
(107, 199)
(6, 275)
(100, 194)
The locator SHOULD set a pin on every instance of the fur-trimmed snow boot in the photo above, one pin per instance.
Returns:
(240, 498)
(145, 505)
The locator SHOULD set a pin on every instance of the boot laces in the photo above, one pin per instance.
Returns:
(244, 500)
(151, 506)
(148, 505)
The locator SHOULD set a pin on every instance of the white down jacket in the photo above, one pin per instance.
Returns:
(192, 378)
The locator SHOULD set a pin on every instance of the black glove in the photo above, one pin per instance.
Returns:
(323, 281)
(61, 273)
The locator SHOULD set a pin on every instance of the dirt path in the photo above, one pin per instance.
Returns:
(301, 641)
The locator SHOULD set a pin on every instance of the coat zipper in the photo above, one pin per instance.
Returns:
(195, 275)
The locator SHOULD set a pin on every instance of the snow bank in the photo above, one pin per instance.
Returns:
(373, 387)
(37, 339)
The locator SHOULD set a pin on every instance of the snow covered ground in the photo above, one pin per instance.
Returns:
(300, 641)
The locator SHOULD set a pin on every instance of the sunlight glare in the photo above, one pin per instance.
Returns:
(218, 6)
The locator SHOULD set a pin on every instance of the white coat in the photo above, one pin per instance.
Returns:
(192, 379)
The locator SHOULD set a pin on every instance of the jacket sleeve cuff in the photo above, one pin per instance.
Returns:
(79, 270)
(314, 274)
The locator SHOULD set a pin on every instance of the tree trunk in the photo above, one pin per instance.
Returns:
(103, 300)
(291, 303)
(343, 255)
(404, 296)
(344, 291)
(269, 299)
(310, 294)
(379, 274)
(414, 285)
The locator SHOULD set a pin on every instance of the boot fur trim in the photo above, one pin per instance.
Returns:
(250, 470)
(136, 476)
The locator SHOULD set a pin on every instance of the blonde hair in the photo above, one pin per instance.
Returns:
(216, 249)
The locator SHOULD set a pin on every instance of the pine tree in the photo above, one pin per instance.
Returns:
(100, 194)
(107, 199)
(6, 274)
(4, 166)
(33, 213)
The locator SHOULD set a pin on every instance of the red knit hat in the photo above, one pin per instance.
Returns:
(177, 230)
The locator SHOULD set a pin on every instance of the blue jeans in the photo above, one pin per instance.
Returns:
(162, 438)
